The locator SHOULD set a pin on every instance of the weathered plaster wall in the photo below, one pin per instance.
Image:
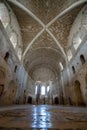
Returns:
(13, 27)
(78, 28)
(18, 74)
(79, 73)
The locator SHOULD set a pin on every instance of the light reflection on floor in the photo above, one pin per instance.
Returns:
(43, 117)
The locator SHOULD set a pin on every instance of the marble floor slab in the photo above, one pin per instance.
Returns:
(43, 117)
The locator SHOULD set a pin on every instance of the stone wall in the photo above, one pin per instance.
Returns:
(13, 93)
(80, 71)
(76, 68)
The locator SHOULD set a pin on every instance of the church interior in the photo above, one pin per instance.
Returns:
(43, 60)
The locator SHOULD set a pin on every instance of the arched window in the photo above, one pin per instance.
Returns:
(69, 55)
(61, 66)
(73, 69)
(13, 39)
(36, 89)
(43, 90)
(48, 88)
(15, 68)
(76, 40)
(19, 53)
(4, 15)
(6, 56)
(82, 59)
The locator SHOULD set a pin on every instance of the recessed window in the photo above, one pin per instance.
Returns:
(4, 15)
(36, 90)
(6, 56)
(43, 90)
(73, 69)
(82, 59)
(69, 55)
(19, 53)
(13, 39)
(48, 88)
(76, 41)
(15, 68)
(61, 66)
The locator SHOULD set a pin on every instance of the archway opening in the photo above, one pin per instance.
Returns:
(10, 95)
(78, 94)
(30, 100)
(56, 100)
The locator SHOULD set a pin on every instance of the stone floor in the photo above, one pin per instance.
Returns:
(43, 117)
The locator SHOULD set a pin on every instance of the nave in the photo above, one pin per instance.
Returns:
(43, 64)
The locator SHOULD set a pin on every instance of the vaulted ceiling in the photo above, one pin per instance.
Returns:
(45, 27)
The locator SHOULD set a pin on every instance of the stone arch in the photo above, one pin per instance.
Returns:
(2, 80)
(10, 95)
(78, 94)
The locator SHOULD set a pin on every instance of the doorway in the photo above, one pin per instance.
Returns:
(56, 100)
(30, 100)
(78, 94)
